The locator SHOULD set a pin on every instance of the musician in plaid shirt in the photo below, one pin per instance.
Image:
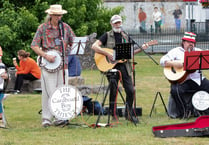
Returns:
(48, 37)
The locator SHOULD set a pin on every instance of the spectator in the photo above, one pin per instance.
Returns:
(28, 70)
(157, 17)
(142, 20)
(177, 17)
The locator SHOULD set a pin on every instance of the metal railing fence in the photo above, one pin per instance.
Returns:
(170, 38)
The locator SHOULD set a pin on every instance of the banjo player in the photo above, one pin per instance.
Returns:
(54, 35)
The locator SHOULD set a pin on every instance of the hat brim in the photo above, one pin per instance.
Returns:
(49, 11)
(188, 39)
(115, 21)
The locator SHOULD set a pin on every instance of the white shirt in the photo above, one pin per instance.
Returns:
(178, 54)
(156, 16)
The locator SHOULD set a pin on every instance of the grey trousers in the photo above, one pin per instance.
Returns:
(49, 83)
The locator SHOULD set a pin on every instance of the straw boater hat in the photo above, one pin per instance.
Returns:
(189, 36)
(56, 9)
(115, 18)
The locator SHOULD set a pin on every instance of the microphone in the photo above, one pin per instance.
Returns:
(122, 30)
(59, 23)
(61, 30)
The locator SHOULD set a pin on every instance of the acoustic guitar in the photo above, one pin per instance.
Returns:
(104, 64)
(174, 74)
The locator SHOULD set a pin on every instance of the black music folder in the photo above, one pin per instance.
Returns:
(123, 51)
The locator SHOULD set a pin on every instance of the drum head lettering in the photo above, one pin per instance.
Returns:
(200, 100)
(66, 103)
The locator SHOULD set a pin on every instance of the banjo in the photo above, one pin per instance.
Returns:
(52, 66)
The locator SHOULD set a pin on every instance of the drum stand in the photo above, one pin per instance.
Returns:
(112, 75)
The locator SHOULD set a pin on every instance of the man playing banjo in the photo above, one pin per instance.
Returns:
(54, 36)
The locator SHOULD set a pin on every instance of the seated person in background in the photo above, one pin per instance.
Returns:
(3, 75)
(28, 69)
(180, 101)
(74, 66)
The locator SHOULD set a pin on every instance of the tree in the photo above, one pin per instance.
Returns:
(20, 19)
(16, 27)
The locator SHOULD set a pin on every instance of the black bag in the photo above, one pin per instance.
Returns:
(93, 107)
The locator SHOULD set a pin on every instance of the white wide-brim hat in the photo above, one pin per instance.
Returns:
(56, 9)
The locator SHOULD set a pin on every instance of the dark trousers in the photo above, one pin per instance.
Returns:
(128, 87)
(20, 78)
(182, 95)
(158, 26)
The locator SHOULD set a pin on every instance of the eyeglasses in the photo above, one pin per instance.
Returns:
(57, 15)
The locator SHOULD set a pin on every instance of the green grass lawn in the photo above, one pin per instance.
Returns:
(24, 122)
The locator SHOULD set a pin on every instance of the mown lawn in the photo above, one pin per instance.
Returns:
(24, 122)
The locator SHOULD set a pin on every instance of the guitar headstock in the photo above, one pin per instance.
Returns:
(152, 42)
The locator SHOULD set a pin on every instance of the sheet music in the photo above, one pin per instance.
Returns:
(79, 45)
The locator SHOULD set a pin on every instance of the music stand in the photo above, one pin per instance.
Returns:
(79, 45)
(122, 51)
(196, 60)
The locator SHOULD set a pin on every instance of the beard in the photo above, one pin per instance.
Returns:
(117, 30)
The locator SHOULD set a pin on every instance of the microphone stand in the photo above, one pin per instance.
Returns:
(61, 32)
(134, 42)
(133, 63)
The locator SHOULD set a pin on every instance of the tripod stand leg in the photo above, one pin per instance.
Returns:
(153, 105)
(163, 104)
(155, 102)
(103, 102)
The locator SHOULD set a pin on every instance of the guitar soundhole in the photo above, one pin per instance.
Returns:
(107, 59)
(173, 70)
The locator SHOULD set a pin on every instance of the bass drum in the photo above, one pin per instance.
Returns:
(66, 103)
(200, 100)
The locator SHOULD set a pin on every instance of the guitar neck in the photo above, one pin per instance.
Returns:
(144, 46)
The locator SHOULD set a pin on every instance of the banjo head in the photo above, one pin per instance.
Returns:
(54, 66)
(66, 102)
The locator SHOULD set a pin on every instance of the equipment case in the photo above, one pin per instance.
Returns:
(198, 128)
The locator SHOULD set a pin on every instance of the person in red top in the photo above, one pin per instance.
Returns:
(142, 19)
(28, 69)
